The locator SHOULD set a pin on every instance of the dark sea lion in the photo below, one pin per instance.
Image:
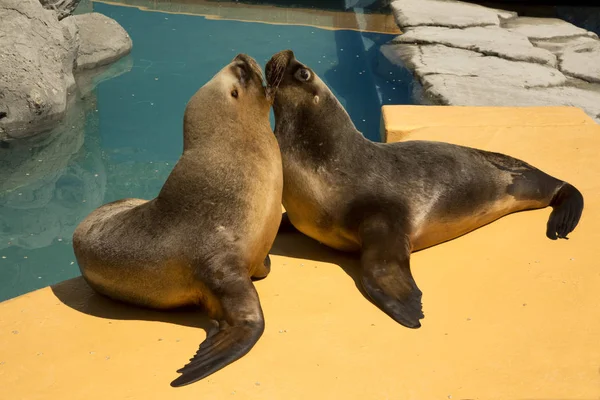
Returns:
(211, 227)
(388, 200)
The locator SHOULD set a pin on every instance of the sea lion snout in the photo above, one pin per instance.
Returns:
(276, 67)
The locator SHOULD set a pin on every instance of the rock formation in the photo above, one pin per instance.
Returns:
(63, 8)
(38, 55)
(102, 40)
(466, 54)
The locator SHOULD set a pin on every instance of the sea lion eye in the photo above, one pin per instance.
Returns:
(303, 74)
(234, 93)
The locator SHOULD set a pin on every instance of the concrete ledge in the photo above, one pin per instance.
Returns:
(509, 313)
(414, 122)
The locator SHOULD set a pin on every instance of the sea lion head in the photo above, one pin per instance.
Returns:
(293, 84)
(235, 96)
(306, 111)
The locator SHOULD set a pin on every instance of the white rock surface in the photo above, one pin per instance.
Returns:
(103, 40)
(36, 63)
(474, 91)
(545, 28)
(560, 45)
(438, 59)
(490, 40)
(582, 61)
(452, 14)
(461, 55)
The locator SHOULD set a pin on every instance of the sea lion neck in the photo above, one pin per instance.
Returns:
(317, 134)
(233, 142)
(205, 121)
(204, 115)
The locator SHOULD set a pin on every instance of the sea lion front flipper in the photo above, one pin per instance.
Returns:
(237, 333)
(262, 271)
(386, 275)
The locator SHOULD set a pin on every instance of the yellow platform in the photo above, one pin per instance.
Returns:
(509, 314)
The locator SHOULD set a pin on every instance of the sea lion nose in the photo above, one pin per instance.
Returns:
(276, 67)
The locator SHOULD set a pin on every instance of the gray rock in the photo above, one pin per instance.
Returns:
(84, 7)
(438, 59)
(475, 91)
(545, 28)
(103, 40)
(401, 55)
(491, 41)
(560, 45)
(73, 44)
(578, 83)
(37, 56)
(582, 62)
(453, 14)
(63, 8)
(36, 63)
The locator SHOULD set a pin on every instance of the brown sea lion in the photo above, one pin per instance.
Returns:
(388, 200)
(211, 227)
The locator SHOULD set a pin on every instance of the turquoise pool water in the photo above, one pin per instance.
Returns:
(122, 138)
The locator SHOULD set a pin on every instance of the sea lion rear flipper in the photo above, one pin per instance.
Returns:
(386, 275)
(567, 206)
(236, 335)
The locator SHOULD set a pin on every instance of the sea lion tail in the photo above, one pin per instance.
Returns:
(567, 206)
(229, 341)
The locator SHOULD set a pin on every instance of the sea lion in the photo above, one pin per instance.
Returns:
(388, 200)
(209, 230)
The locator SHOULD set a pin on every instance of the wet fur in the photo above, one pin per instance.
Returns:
(387, 200)
(209, 230)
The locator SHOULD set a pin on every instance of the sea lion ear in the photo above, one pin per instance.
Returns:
(316, 99)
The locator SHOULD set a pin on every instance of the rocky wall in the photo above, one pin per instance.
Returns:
(466, 54)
